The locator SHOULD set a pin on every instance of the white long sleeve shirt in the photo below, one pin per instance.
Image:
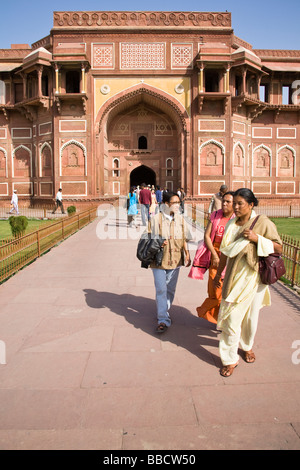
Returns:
(59, 195)
(14, 199)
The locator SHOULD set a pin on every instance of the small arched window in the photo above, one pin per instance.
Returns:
(142, 145)
(169, 165)
(116, 167)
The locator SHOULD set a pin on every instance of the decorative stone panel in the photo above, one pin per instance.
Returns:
(3, 133)
(46, 189)
(209, 187)
(285, 187)
(74, 188)
(103, 56)
(286, 133)
(285, 161)
(163, 128)
(22, 162)
(261, 161)
(45, 128)
(211, 125)
(143, 56)
(239, 127)
(24, 189)
(238, 160)
(119, 19)
(21, 133)
(211, 158)
(262, 132)
(238, 184)
(72, 125)
(261, 187)
(46, 160)
(3, 158)
(3, 189)
(182, 56)
(73, 159)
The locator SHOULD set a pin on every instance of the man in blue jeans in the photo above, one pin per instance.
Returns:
(170, 224)
(145, 202)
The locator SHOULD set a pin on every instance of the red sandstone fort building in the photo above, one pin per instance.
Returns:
(113, 99)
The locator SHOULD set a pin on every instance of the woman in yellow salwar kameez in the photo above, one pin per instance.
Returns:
(243, 294)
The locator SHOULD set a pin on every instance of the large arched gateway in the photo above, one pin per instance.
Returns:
(142, 139)
(142, 174)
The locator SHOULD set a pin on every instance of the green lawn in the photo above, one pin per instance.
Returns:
(33, 225)
(288, 226)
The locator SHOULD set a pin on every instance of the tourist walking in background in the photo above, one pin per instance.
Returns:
(158, 194)
(243, 293)
(137, 192)
(170, 225)
(212, 239)
(216, 200)
(14, 202)
(182, 198)
(145, 202)
(132, 207)
(153, 206)
(58, 202)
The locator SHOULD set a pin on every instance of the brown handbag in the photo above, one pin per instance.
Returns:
(271, 267)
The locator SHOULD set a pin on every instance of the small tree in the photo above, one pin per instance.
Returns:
(71, 210)
(18, 225)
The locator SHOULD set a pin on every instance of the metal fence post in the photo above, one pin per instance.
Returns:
(38, 243)
(295, 259)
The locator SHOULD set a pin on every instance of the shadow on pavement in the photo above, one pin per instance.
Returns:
(291, 298)
(187, 330)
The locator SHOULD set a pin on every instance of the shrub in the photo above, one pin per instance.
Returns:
(71, 210)
(18, 225)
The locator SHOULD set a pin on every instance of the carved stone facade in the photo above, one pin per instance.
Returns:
(113, 99)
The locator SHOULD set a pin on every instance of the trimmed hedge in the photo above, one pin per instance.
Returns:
(71, 210)
(18, 225)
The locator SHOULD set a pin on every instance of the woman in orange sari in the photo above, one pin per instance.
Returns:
(216, 226)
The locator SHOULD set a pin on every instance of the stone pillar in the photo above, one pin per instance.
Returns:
(258, 80)
(271, 88)
(24, 76)
(12, 91)
(227, 80)
(244, 81)
(83, 78)
(56, 79)
(39, 74)
(201, 79)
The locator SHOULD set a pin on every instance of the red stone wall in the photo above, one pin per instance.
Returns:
(214, 138)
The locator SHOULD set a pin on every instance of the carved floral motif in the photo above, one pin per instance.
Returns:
(130, 18)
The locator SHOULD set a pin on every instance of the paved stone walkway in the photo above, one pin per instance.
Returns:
(85, 370)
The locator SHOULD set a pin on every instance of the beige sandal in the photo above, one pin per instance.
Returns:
(249, 356)
(227, 371)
